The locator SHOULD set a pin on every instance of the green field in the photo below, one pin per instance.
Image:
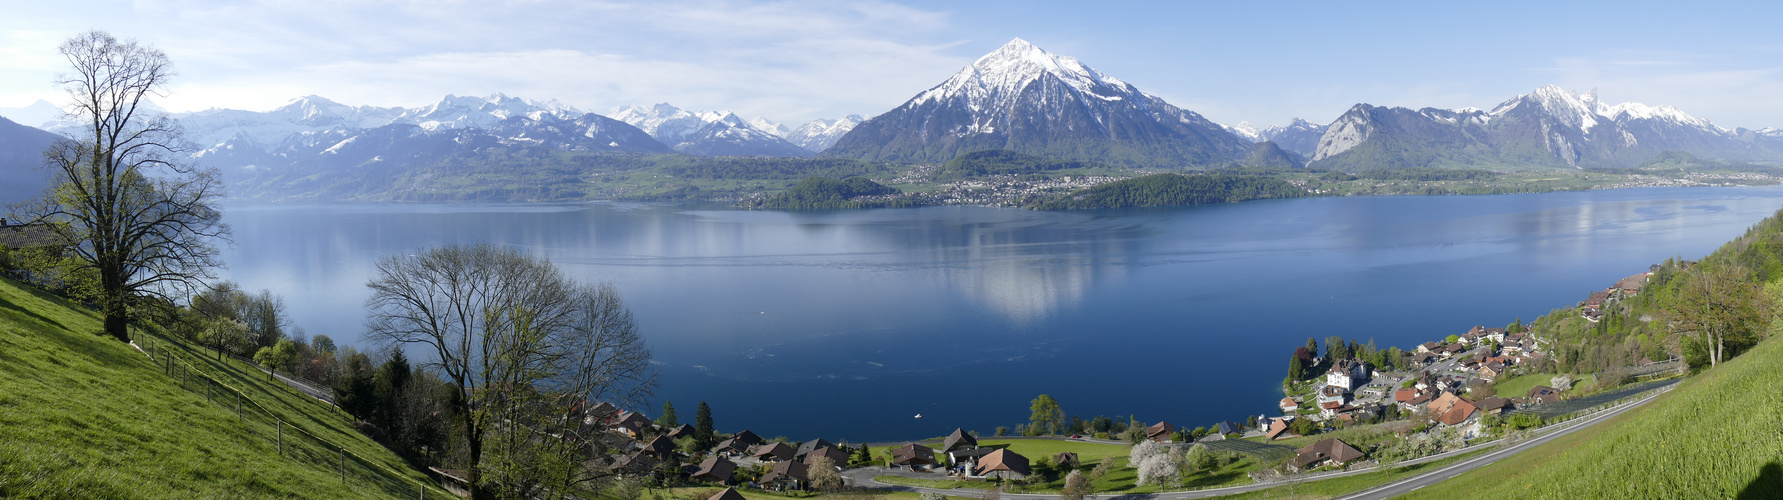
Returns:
(1717, 435)
(1333, 487)
(85, 416)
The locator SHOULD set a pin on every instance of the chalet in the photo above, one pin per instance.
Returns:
(680, 432)
(773, 452)
(838, 458)
(1631, 286)
(1417, 402)
(1450, 409)
(1228, 428)
(1450, 350)
(1591, 315)
(808, 446)
(727, 494)
(714, 470)
(738, 444)
(1543, 394)
(662, 448)
(959, 440)
(1002, 464)
(913, 455)
(601, 414)
(1494, 405)
(1161, 432)
(1494, 334)
(1289, 406)
(1429, 347)
(787, 476)
(1491, 369)
(636, 463)
(1327, 452)
(1065, 460)
(1423, 359)
(1404, 395)
(632, 424)
(1277, 429)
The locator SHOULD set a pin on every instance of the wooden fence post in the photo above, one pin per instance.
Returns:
(281, 425)
(343, 465)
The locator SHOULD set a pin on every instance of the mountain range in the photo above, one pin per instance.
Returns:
(1549, 127)
(1017, 98)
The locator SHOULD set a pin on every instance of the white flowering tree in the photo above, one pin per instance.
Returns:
(1155, 464)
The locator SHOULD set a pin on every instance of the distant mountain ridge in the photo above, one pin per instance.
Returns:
(21, 161)
(1550, 127)
(708, 133)
(1024, 99)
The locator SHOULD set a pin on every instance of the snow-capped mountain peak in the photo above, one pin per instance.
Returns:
(1245, 130)
(998, 76)
(819, 134)
(1565, 106)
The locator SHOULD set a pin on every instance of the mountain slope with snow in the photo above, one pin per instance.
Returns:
(708, 133)
(1549, 127)
(1025, 99)
(818, 135)
(21, 161)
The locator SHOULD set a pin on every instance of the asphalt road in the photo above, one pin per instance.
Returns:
(863, 477)
(1407, 485)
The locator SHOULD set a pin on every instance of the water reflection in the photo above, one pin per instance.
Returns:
(880, 308)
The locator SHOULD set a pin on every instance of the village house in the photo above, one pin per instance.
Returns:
(1543, 394)
(632, 423)
(680, 432)
(809, 446)
(1289, 406)
(1161, 432)
(714, 469)
(1630, 286)
(914, 456)
(1494, 405)
(773, 452)
(738, 444)
(1332, 394)
(662, 448)
(1331, 452)
(787, 476)
(1428, 347)
(727, 494)
(637, 463)
(1002, 464)
(601, 414)
(1450, 409)
(1491, 370)
(1277, 428)
(1065, 460)
(959, 440)
(1228, 428)
(838, 458)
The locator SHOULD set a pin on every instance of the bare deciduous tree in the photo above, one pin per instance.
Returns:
(125, 194)
(528, 347)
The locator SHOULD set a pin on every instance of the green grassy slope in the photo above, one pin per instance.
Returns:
(1718, 435)
(85, 416)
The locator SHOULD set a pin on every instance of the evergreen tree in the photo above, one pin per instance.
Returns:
(703, 433)
(1312, 345)
(388, 385)
(1296, 369)
(668, 420)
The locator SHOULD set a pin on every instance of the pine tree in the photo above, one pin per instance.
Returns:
(1296, 369)
(668, 420)
(703, 432)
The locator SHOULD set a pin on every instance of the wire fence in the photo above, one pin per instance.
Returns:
(291, 440)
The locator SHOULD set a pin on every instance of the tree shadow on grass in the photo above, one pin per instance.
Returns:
(1769, 484)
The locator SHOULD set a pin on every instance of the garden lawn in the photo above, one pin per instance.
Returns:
(86, 416)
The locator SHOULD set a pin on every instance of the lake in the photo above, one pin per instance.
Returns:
(848, 324)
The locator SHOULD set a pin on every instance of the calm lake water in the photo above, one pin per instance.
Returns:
(846, 325)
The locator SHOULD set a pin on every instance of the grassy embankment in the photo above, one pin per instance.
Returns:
(1120, 479)
(1718, 435)
(85, 416)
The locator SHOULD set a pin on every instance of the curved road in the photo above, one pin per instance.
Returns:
(1404, 486)
(863, 477)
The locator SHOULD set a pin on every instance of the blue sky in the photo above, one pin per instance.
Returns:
(793, 61)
